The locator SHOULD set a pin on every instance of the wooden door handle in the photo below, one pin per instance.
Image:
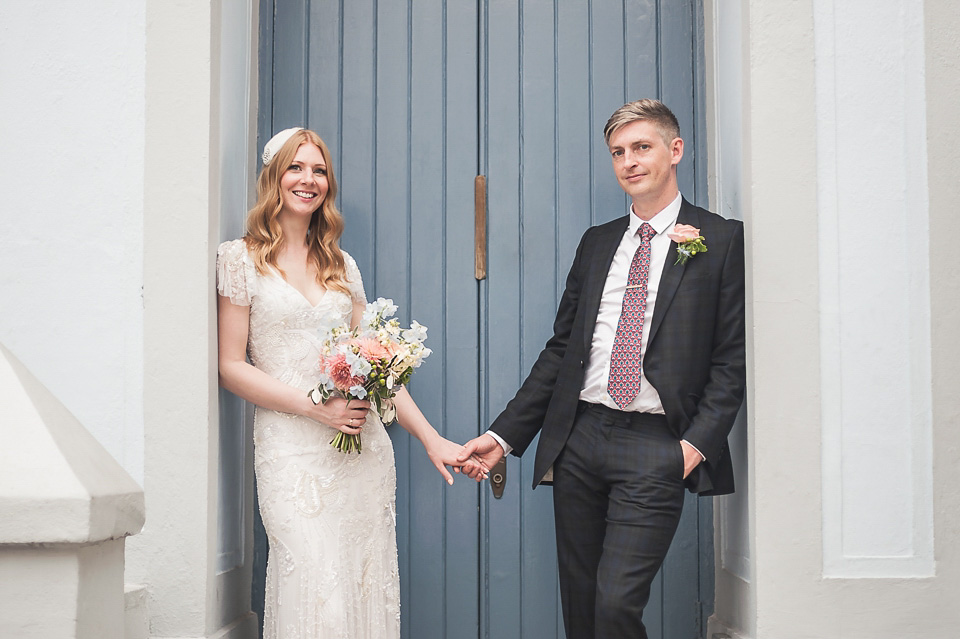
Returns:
(480, 226)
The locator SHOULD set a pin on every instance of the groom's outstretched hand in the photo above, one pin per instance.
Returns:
(485, 448)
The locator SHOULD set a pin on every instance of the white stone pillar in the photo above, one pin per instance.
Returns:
(189, 593)
(65, 508)
(850, 171)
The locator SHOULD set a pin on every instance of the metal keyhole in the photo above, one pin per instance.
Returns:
(498, 478)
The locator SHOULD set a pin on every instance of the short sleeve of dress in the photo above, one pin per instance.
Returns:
(236, 275)
(354, 281)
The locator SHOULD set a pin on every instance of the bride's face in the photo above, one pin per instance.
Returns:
(303, 186)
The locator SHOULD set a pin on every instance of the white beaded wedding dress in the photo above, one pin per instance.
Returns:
(329, 516)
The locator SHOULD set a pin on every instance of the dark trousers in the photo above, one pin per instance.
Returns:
(618, 493)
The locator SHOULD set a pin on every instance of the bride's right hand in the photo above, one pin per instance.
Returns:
(346, 416)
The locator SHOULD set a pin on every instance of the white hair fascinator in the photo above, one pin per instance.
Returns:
(270, 148)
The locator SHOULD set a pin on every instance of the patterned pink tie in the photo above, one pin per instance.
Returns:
(624, 382)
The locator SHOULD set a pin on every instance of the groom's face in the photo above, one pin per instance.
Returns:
(644, 162)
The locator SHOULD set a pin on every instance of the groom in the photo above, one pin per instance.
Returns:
(636, 392)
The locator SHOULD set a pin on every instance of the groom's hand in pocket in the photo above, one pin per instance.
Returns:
(691, 457)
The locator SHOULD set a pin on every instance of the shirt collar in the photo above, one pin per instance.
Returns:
(662, 221)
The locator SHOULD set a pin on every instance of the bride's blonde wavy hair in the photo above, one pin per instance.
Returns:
(264, 236)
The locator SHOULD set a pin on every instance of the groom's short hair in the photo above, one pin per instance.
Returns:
(646, 109)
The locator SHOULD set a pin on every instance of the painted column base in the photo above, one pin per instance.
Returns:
(62, 590)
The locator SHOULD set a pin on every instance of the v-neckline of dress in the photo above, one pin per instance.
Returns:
(299, 292)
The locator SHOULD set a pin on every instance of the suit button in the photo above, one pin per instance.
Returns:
(581, 363)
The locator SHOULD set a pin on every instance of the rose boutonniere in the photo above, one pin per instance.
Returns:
(689, 242)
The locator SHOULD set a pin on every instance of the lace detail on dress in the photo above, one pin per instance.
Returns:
(331, 518)
(235, 273)
(354, 281)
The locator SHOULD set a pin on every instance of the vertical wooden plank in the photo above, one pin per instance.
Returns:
(680, 575)
(324, 53)
(539, 273)
(641, 49)
(391, 159)
(427, 172)
(265, 59)
(677, 58)
(357, 179)
(500, 598)
(653, 613)
(607, 93)
(289, 64)
(575, 131)
(460, 417)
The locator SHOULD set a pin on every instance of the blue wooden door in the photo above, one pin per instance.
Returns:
(415, 99)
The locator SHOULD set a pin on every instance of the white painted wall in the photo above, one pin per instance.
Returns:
(71, 174)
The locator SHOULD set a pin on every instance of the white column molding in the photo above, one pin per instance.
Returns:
(726, 177)
(733, 539)
(874, 289)
(175, 554)
(237, 70)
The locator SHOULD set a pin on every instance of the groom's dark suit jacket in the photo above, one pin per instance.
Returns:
(694, 358)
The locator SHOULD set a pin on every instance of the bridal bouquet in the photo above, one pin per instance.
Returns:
(369, 362)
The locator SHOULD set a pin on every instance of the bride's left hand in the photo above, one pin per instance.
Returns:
(443, 452)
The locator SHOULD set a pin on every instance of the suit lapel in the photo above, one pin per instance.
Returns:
(597, 275)
(672, 273)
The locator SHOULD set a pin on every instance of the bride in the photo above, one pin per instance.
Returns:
(329, 516)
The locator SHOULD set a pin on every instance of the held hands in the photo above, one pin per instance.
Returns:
(483, 448)
(443, 452)
(346, 416)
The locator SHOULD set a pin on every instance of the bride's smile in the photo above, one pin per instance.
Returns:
(303, 186)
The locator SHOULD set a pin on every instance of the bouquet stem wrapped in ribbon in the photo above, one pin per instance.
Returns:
(372, 362)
